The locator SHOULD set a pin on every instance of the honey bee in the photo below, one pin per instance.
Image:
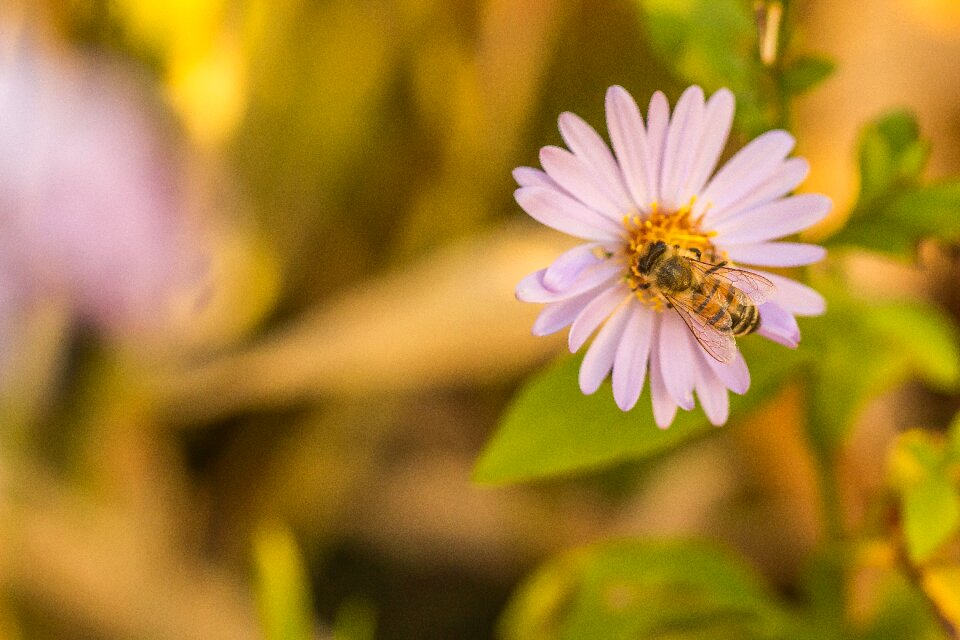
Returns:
(716, 302)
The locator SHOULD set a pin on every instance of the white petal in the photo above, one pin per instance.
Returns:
(773, 220)
(629, 140)
(798, 299)
(775, 254)
(531, 288)
(711, 392)
(749, 167)
(565, 270)
(779, 325)
(587, 144)
(565, 214)
(785, 179)
(676, 359)
(664, 408)
(530, 177)
(683, 139)
(734, 374)
(658, 117)
(718, 118)
(594, 314)
(630, 365)
(596, 364)
(557, 315)
(571, 173)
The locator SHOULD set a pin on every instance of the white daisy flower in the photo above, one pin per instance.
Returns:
(667, 274)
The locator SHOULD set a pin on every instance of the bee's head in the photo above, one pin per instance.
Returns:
(648, 260)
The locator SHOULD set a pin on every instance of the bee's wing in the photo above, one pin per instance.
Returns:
(721, 346)
(755, 286)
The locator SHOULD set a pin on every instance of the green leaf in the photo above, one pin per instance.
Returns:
(919, 469)
(804, 73)
(642, 589)
(902, 613)
(707, 41)
(931, 513)
(871, 348)
(892, 155)
(932, 211)
(823, 586)
(895, 211)
(897, 224)
(876, 233)
(711, 43)
(924, 335)
(282, 589)
(537, 607)
(551, 428)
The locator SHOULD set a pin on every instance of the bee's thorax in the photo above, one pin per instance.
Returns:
(673, 274)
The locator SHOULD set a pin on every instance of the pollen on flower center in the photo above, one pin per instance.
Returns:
(677, 228)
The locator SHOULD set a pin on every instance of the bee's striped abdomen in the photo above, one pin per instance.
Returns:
(707, 297)
(727, 309)
(745, 316)
(714, 306)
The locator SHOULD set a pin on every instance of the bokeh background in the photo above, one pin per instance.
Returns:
(257, 261)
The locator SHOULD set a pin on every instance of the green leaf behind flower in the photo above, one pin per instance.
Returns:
(551, 428)
(872, 347)
(805, 73)
(714, 43)
(892, 155)
(922, 470)
(641, 589)
(711, 43)
(895, 210)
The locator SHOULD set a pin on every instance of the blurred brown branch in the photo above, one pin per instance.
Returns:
(451, 320)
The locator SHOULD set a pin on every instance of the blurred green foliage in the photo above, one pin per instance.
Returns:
(283, 592)
(635, 589)
(895, 208)
(924, 472)
(881, 345)
(805, 73)
(356, 620)
(714, 43)
(902, 613)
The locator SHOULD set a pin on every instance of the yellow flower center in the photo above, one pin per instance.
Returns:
(677, 229)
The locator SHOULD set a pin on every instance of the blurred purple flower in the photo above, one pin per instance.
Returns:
(658, 187)
(90, 208)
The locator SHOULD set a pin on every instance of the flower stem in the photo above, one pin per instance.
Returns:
(832, 512)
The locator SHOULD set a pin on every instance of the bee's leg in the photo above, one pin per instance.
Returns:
(696, 252)
(644, 286)
(669, 305)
